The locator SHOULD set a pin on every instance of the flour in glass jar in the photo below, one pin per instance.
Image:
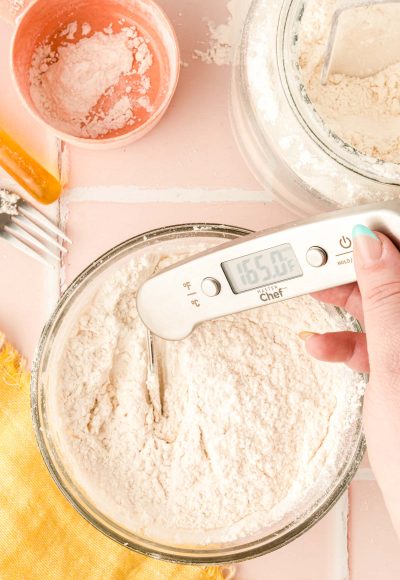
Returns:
(92, 84)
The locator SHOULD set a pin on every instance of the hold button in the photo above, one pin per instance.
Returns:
(316, 257)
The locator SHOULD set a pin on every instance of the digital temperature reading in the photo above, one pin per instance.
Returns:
(262, 268)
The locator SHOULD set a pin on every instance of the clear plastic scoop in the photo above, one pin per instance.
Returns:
(364, 38)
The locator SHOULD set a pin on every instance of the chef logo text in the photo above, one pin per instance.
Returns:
(270, 294)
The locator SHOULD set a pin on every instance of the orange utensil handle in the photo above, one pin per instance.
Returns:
(34, 178)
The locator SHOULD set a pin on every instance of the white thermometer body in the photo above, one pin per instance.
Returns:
(260, 269)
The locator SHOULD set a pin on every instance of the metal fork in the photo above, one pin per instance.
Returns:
(155, 376)
(27, 229)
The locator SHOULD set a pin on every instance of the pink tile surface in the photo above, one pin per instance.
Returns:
(374, 552)
(320, 554)
(28, 291)
(365, 461)
(96, 227)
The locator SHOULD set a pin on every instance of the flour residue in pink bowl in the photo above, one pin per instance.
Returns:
(105, 73)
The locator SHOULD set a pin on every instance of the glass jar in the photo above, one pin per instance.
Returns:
(46, 421)
(286, 144)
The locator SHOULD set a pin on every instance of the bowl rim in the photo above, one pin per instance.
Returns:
(205, 555)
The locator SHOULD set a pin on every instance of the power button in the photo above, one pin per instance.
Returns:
(345, 242)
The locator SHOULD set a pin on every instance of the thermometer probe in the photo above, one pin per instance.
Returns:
(259, 269)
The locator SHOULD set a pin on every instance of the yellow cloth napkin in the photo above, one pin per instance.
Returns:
(41, 536)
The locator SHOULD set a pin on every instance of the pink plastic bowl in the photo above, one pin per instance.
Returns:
(44, 19)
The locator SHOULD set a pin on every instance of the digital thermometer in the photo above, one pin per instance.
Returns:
(259, 269)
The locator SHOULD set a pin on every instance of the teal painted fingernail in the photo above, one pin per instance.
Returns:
(367, 246)
(360, 230)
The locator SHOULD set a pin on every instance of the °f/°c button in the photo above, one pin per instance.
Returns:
(210, 287)
(316, 256)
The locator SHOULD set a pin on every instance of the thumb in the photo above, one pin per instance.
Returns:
(377, 263)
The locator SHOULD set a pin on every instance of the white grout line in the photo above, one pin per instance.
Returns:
(63, 215)
(132, 194)
(59, 164)
(63, 162)
(364, 474)
(341, 569)
(63, 211)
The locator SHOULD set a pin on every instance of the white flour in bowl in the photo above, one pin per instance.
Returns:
(249, 424)
(93, 86)
(364, 112)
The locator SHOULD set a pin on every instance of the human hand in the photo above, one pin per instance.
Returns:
(375, 302)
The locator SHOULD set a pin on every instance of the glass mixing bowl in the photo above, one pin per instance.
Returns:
(44, 385)
(286, 144)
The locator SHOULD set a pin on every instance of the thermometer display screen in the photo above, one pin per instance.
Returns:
(262, 268)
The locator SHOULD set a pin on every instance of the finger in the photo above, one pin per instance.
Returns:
(377, 262)
(347, 296)
(344, 347)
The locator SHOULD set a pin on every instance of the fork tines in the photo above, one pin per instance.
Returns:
(32, 232)
(30, 211)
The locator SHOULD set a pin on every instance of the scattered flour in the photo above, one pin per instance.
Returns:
(8, 202)
(118, 116)
(73, 87)
(364, 112)
(224, 37)
(86, 29)
(70, 30)
(246, 426)
(15, 6)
